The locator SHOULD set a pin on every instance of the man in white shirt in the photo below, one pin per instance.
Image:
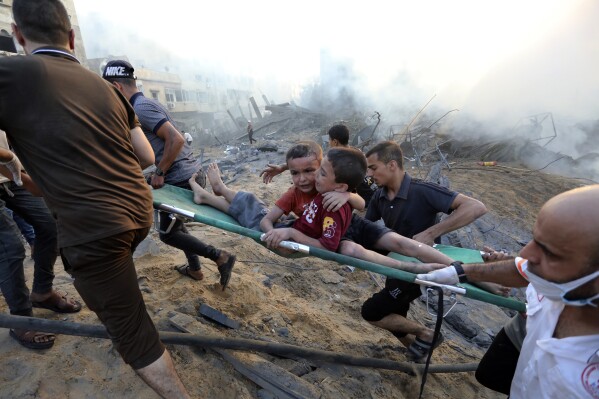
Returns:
(560, 354)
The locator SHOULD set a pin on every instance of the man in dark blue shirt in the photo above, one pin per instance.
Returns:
(409, 207)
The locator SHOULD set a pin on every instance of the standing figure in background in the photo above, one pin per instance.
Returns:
(187, 137)
(250, 130)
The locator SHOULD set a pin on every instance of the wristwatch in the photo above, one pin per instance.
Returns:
(460, 270)
(159, 172)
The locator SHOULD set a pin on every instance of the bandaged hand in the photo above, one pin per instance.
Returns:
(14, 167)
(447, 275)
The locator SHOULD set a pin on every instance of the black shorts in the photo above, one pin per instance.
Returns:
(394, 298)
(364, 232)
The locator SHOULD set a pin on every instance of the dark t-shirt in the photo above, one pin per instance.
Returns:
(366, 189)
(152, 115)
(414, 208)
(71, 130)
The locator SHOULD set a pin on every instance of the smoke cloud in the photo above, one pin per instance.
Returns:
(498, 62)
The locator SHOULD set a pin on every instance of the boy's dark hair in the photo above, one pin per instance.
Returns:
(349, 165)
(42, 21)
(305, 149)
(339, 133)
(387, 151)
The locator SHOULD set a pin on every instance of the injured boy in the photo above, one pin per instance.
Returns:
(340, 171)
(303, 160)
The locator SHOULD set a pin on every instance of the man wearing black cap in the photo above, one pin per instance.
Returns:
(175, 165)
(80, 142)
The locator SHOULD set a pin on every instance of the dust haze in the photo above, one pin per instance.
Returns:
(505, 66)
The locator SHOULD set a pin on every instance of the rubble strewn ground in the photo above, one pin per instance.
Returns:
(306, 302)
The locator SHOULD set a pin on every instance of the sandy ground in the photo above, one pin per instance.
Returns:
(317, 302)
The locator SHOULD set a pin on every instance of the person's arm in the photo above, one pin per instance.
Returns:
(268, 221)
(465, 211)
(271, 171)
(141, 147)
(30, 185)
(274, 237)
(333, 201)
(173, 143)
(502, 272)
(10, 166)
(422, 252)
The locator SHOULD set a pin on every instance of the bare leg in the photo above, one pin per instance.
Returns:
(163, 379)
(398, 323)
(354, 250)
(406, 246)
(218, 186)
(203, 197)
(493, 288)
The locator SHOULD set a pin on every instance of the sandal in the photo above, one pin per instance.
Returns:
(59, 303)
(418, 351)
(185, 270)
(33, 339)
(225, 270)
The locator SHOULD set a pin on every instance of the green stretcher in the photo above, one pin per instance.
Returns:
(179, 201)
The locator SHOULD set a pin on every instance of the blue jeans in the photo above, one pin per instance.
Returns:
(12, 277)
(25, 228)
(34, 211)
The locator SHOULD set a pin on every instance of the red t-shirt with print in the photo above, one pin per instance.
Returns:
(294, 200)
(325, 226)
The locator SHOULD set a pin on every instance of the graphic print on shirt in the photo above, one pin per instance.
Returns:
(590, 379)
(328, 227)
(310, 212)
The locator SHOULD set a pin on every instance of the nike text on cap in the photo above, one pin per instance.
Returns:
(118, 69)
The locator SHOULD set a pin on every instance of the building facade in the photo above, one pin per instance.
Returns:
(6, 20)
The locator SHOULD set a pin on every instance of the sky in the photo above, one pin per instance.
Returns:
(497, 60)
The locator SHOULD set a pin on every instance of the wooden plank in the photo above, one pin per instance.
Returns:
(278, 381)
(218, 316)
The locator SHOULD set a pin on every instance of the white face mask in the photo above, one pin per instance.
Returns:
(557, 292)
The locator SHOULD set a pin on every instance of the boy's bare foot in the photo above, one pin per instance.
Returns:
(216, 182)
(199, 194)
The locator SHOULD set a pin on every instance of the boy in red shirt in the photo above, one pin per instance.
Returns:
(340, 171)
(303, 160)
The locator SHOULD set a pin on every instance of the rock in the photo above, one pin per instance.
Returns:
(329, 277)
(482, 339)
(282, 331)
(268, 147)
(267, 282)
